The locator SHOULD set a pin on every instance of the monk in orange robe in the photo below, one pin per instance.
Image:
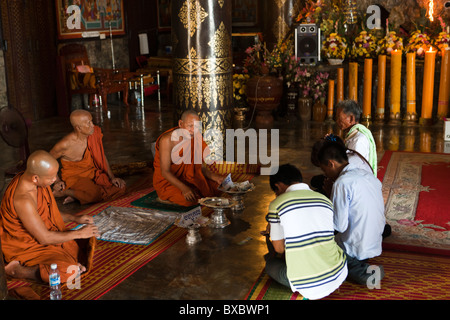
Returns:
(85, 172)
(32, 229)
(186, 179)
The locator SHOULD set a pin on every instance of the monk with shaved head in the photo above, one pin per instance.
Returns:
(180, 174)
(32, 229)
(85, 172)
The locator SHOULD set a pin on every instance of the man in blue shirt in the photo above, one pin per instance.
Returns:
(359, 210)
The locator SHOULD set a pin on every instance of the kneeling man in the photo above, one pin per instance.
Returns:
(303, 254)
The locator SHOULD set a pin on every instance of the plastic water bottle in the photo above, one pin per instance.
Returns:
(55, 283)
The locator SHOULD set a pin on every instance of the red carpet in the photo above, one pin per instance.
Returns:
(409, 276)
(416, 191)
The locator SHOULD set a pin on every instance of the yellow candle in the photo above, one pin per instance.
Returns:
(367, 96)
(381, 92)
(340, 85)
(353, 81)
(444, 90)
(396, 76)
(330, 102)
(428, 84)
(411, 82)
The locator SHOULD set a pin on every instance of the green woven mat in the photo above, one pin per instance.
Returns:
(151, 201)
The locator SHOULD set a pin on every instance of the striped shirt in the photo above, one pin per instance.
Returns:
(316, 265)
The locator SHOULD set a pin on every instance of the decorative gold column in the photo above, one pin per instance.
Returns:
(280, 15)
(203, 64)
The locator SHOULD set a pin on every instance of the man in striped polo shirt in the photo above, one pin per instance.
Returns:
(301, 231)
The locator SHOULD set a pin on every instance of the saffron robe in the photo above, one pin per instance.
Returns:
(88, 177)
(19, 245)
(188, 172)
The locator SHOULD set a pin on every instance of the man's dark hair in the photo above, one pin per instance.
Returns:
(332, 151)
(287, 174)
(318, 145)
(350, 107)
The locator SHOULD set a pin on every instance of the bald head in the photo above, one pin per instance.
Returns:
(78, 116)
(188, 121)
(188, 113)
(41, 163)
(81, 121)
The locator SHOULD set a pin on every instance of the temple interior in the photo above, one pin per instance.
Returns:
(228, 261)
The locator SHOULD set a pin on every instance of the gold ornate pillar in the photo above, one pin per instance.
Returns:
(203, 64)
(280, 15)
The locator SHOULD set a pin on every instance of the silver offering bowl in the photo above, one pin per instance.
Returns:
(238, 197)
(219, 219)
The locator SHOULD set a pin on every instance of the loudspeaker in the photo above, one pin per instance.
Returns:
(307, 44)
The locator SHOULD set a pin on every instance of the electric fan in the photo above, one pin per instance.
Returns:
(14, 131)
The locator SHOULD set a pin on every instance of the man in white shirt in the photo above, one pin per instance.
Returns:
(301, 230)
(359, 209)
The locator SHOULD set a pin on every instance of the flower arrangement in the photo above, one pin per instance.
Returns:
(364, 46)
(442, 40)
(389, 43)
(311, 12)
(255, 61)
(239, 86)
(335, 47)
(318, 85)
(291, 72)
(419, 42)
(304, 77)
(310, 84)
(276, 60)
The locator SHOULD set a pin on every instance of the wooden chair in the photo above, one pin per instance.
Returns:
(163, 67)
(80, 78)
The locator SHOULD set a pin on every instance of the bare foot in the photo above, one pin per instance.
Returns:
(82, 268)
(58, 193)
(164, 201)
(12, 268)
(68, 200)
(15, 270)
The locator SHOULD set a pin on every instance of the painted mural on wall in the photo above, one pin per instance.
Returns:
(89, 18)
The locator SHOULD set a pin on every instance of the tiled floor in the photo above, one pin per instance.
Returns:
(226, 263)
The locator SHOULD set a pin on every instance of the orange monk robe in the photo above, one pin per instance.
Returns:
(189, 173)
(88, 177)
(19, 245)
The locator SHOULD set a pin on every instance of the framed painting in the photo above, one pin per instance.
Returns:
(89, 18)
(245, 13)
(164, 15)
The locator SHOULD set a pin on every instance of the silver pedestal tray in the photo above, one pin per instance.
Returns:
(219, 205)
(193, 235)
(238, 197)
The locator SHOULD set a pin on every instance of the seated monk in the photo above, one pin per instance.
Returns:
(183, 182)
(85, 172)
(32, 229)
